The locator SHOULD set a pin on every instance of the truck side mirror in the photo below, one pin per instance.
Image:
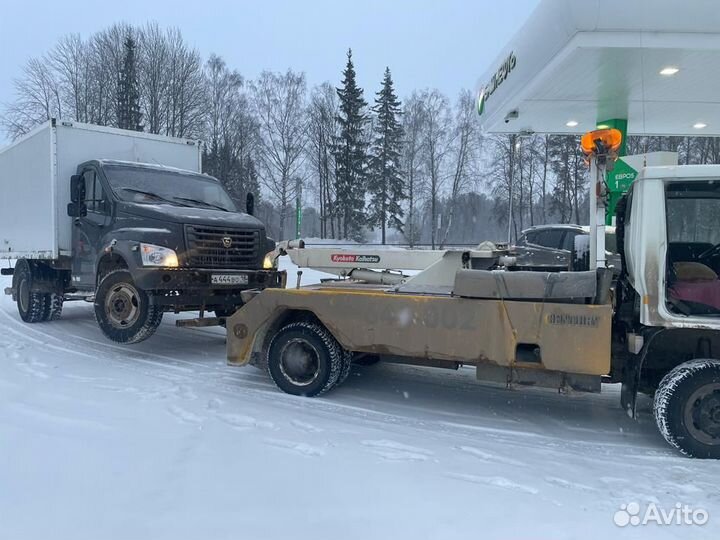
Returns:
(77, 209)
(77, 188)
(250, 204)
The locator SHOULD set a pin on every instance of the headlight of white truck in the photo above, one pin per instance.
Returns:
(153, 255)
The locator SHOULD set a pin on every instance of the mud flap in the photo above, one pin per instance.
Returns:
(628, 393)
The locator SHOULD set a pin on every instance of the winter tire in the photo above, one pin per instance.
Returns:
(124, 312)
(347, 365)
(53, 306)
(687, 408)
(32, 305)
(304, 359)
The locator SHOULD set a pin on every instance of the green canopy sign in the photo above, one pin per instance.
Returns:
(620, 178)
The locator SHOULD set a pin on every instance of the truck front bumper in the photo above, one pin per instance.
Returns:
(184, 288)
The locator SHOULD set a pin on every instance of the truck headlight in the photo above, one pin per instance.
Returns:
(153, 255)
(268, 263)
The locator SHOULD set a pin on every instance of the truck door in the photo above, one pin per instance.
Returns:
(88, 231)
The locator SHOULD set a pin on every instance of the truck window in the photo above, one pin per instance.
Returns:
(694, 220)
(94, 196)
(149, 186)
(693, 230)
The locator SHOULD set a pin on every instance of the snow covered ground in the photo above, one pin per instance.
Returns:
(163, 440)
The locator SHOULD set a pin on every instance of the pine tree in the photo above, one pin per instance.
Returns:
(128, 96)
(385, 182)
(351, 155)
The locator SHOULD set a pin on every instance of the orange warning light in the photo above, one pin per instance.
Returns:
(610, 139)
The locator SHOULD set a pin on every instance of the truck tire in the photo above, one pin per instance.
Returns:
(347, 365)
(304, 359)
(687, 408)
(125, 313)
(53, 306)
(32, 305)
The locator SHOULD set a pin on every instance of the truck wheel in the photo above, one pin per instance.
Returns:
(687, 408)
(31, 304)
(304, 359)
(125, 313)
(53, 306)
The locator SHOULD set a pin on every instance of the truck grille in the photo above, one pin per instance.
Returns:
(217, 247)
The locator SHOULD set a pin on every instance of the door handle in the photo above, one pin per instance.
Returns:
(77, 222)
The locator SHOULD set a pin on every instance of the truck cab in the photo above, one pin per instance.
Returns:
(174, 236)
(127, 221)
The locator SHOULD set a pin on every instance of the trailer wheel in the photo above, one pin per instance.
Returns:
(304, 359)
(687, 408)
(31, 304)
(125, 313)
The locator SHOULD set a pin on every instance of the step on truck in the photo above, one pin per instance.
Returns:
(655, 327)
(128, 221)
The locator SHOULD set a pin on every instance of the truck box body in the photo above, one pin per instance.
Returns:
(35, 176)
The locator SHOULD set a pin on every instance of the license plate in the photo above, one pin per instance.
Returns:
(229, 279)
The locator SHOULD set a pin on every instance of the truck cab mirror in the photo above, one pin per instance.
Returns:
(77, 188)
(250, 204)
(77, 209)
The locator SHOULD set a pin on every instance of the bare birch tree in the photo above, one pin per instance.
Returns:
(279, 104)
(464, 151)
(323, 130)
(413, 119)
(437, 138)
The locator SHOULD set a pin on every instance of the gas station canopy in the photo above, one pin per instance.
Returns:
(575, 64)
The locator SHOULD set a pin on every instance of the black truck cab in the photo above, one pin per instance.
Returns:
(148, 239)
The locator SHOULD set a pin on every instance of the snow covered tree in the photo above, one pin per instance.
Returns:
(128, 96)
(351, 155)
(385, 181)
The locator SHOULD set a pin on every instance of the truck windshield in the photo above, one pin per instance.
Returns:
(150, 186)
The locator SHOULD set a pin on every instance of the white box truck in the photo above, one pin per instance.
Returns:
(127, 220)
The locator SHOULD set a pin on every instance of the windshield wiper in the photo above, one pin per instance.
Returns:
(149, 194)
(203, 203)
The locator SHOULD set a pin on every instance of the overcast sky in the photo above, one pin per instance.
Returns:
(445, 44)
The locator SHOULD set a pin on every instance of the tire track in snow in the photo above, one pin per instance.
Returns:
(215, 380)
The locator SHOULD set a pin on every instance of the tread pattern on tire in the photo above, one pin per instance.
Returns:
(38, 310)
(666, 391)
(37, 301)
(335, 352)
(347, 365)
(154, 317)
(54, 306)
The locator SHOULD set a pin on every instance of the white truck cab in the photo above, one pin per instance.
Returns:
(672, 245)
